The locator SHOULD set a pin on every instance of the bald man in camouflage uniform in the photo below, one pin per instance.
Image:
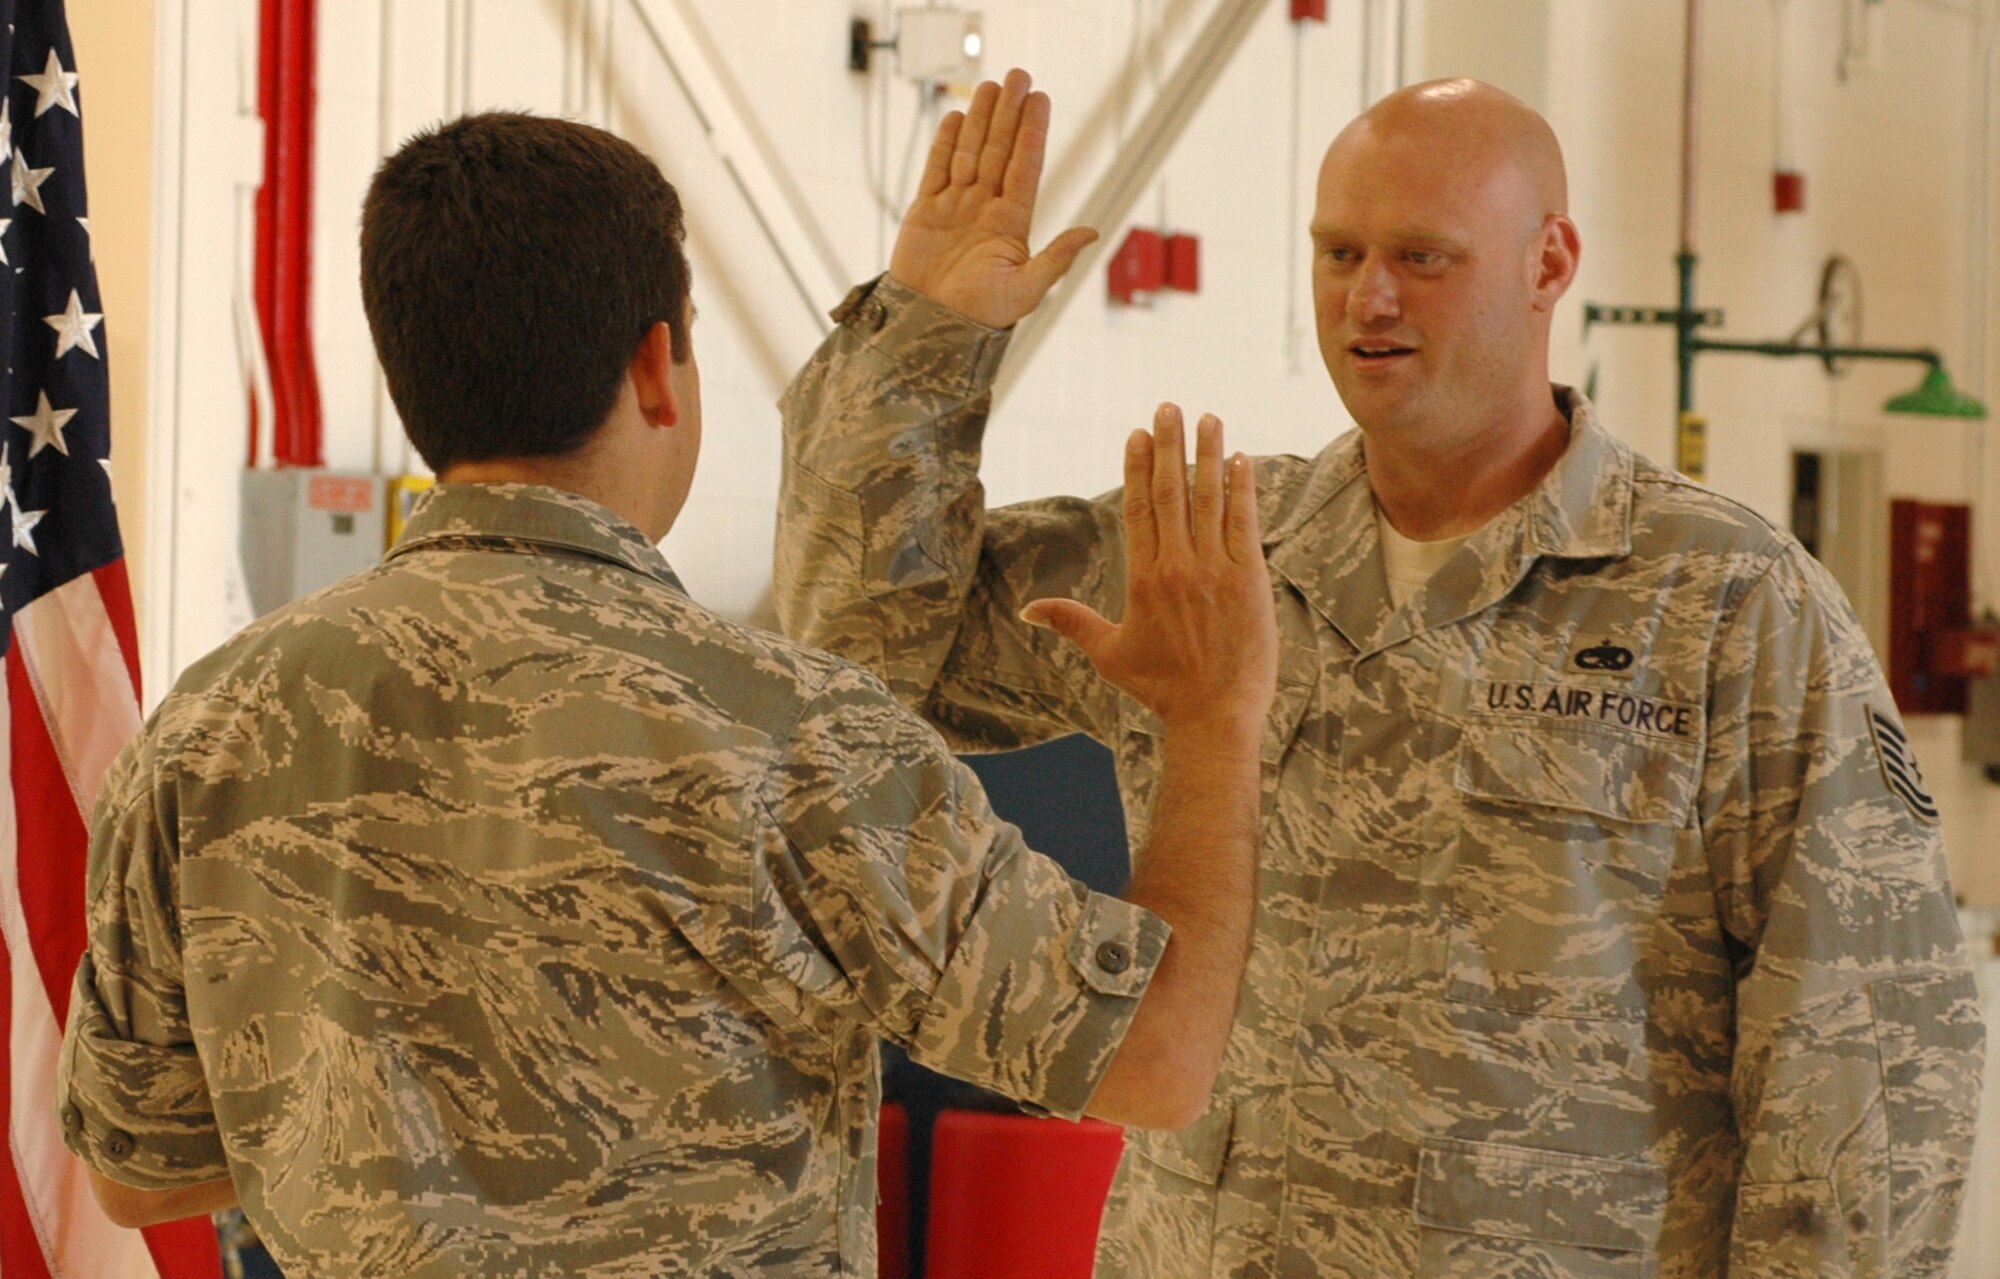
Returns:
(1604, 926)
(501, 911)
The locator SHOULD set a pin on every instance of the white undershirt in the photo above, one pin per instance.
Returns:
(1409, 564)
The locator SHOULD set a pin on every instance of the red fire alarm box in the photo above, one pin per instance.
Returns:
(1184, 263)
(1139, 266)
(1934, 649)
(1788, 191)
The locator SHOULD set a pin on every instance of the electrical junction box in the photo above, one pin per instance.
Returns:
(303, 528)
(934, 43)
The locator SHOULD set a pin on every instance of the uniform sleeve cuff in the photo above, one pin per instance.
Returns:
(138, 1113)
(1036, 1013)
(944, 350)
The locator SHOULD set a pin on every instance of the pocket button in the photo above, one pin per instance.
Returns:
(1114, 957)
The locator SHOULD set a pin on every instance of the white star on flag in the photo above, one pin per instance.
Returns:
(6, 128)
(4, 224)
(105, 462)
(46, 424)
(6, 482)
(73, 327)
(53, 87)
(28, 182)
(24, 529)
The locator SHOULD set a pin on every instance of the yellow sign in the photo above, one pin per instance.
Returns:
(1691, 447)
(403, 492)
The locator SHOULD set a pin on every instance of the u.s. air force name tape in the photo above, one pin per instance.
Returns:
(1610, 706)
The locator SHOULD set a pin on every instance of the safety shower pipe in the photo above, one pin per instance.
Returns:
(1686, 319)
(1918, 354)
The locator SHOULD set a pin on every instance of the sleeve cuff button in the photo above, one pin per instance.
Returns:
(118, 1143)
(72, 1119)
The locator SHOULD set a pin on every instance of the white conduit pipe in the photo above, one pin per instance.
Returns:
(1975, 368)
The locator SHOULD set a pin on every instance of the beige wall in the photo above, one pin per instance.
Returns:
(114, 54)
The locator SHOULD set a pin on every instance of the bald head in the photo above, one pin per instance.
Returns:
(1442, 243)
(1472, 127)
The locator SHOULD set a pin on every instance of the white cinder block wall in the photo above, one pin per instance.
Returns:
(1898, 155)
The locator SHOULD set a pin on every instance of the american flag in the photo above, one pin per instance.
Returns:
(72, 691)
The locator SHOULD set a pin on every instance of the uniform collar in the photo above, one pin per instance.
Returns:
(529, 515)
(1326, 544)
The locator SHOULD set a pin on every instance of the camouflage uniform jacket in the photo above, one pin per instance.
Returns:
(499, 911)
(1604, 926)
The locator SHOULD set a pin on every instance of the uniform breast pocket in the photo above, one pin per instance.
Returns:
(1564, 843)
(1484, 1209)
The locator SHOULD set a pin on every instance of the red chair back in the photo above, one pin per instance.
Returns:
(1017, 1198)
(892, 1189)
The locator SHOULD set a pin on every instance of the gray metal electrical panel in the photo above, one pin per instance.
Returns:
(303, 528)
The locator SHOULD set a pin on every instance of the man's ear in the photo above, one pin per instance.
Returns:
(651, 373)
(1558, 250)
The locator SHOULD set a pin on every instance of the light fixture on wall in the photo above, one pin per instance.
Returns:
(1937, 396)
(933, 43)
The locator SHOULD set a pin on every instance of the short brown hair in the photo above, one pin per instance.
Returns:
(510, 265)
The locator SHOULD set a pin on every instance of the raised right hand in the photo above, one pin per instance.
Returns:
(1199, 643)
(964, 242)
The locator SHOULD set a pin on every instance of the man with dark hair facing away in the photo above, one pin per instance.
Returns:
(499, 910)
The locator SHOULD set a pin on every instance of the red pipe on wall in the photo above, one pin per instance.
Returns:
(286, 100)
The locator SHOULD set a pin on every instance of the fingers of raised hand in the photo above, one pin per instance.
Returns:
(1142, 535)
(972, 134)
(1003, 133)
(1243, 535)
(1076, 622)
(1048, 266)
(937, 166)
(1023, 176)
(1169, 480)
(1206, 506)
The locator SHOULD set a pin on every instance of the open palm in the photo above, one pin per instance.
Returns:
(964, 242)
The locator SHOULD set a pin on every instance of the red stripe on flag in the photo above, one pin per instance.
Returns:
(116, 592)
(49, 859)
(20, 1247)
(50, 862)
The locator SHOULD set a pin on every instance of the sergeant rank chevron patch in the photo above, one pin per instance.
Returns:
(1899, 765)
